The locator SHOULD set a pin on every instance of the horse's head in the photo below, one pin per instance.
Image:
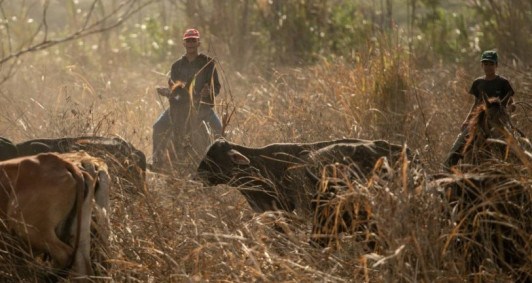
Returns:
(189, 133)
(179, 91)
(491, 118)
(489, 121)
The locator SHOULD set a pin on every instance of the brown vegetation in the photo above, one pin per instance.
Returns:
(176, 230)
(179, 231)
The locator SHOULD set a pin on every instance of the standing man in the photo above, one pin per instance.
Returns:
(492, 85)
(192, 69)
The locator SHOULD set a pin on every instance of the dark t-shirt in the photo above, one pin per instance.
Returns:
(498, 87)
(202, 68)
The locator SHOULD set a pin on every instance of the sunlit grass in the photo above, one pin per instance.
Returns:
(176, 230)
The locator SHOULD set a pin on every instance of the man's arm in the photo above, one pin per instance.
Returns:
(468, 117)
(473, 91)
(172, 78)
(212, 85)
(215, 80)
(509, 103)
(510, 106)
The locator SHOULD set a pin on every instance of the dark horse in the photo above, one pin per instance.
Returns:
(491, 200)
(492, 137)
(189, 136)
(491, 219)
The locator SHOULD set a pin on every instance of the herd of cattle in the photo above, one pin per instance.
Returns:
(308, 177)
(54, 190)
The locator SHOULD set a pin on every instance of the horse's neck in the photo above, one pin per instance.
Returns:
(476, 143)
(474, 146)
(492, 137)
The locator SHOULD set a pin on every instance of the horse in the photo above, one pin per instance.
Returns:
(189, 135)
(490, 214)
(491, 137)
(490, 198)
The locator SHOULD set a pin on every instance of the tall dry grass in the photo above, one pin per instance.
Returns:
(175, 230)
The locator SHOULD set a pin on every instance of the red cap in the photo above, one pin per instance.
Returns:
(191, 33)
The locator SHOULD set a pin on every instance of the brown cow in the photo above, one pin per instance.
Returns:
(98, 169)
(47, 200)
(100, 228)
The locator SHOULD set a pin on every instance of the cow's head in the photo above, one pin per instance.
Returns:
(219, 162)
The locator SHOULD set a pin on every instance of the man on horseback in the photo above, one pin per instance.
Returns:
(196, 73)
(490, 84)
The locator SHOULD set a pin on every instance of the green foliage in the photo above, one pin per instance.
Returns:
(348, 28)
(441, 35)
(291, 32)
(506, 26)
(297, 28)
(159, 39)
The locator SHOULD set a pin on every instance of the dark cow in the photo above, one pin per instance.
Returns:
(8, 149)
(276, 176)
(341, 206)
(361, 157)
(342, 201)
(123, 159)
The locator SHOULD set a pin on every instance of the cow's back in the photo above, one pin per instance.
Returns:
(45, 176)
(362, 155)
(8, 149)
(98, 170)
(123, 159)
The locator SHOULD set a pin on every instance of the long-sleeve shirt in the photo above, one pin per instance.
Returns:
(203, 70)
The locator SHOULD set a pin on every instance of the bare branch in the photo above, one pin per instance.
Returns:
(122, 13)
(9, 71)
(8, 30)
(93, 6)
(44, 23)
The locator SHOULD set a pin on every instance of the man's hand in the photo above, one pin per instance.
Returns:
(205, 91)
(464, 125)
(164, 91)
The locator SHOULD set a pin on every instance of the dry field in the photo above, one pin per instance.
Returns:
(176, 230)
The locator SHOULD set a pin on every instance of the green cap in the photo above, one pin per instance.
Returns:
(489, 55)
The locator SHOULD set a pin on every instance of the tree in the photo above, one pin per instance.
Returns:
(21, 34)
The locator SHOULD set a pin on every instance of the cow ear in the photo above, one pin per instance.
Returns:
(238, 158)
